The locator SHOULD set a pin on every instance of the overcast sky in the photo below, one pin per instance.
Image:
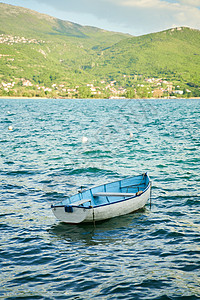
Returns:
(136, 17)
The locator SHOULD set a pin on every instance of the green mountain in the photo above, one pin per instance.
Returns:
(51, 47)
(172, 54)
(41, 55)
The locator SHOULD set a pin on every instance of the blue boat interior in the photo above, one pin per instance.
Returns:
(109, 193)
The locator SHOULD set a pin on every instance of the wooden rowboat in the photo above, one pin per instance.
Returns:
(105, 201)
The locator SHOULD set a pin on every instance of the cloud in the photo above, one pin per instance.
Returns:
(135, 16)
(191, 2)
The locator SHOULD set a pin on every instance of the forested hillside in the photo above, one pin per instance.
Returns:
(44, 56)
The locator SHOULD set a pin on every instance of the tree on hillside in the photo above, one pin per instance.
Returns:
(84, 92)
(130, 94)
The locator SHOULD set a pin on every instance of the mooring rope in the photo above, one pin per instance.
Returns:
(93, 216)
(150, 193)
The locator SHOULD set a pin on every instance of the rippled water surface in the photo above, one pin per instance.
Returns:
(152, 254)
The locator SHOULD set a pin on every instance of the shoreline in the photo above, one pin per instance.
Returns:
(9, 97)
(44, 98)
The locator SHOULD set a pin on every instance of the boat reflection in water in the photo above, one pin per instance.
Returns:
(103, 232)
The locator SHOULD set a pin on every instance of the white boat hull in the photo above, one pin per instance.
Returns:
(103, 212)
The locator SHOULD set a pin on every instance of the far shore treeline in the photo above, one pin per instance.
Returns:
(42, 56)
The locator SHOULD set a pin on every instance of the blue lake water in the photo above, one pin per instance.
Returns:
(152, 254)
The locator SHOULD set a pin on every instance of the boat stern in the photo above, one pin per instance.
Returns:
(70, 214)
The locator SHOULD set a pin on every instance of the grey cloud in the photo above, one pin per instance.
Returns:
(136, 15)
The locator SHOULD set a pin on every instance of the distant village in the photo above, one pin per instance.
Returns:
(150, 88)
(10, 40)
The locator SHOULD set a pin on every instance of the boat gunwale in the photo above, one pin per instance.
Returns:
(109, 203)
(96, 186)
